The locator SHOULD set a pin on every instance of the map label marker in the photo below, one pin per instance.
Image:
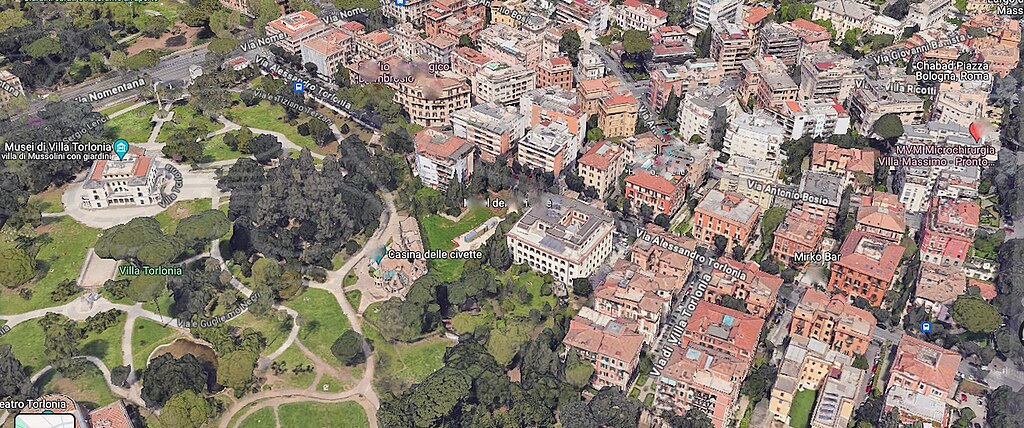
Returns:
(121, 148)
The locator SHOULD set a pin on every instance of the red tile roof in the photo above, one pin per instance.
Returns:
(756, 14)
(744, 330)
(877, 258)
(437, 143)
(926, 362)
(657, 183)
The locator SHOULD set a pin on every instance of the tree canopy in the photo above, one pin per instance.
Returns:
(976, 315)
(166, 376)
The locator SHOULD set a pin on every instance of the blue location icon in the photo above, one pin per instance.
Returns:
(926, 327)
(298, 87)
(120, 148)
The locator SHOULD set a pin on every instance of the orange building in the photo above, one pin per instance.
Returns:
(798, 238)
(948, 231)
(664, 196)
(728, 214)
(922, 379)
(882, 215)
(866, 267)
(555, 72)
(637, 295)
(842, 326)
(467, 61)
(454, 18)
(759, 290)
(612, 344)
(659, 259)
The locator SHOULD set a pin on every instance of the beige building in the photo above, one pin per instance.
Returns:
(329, 52)
(806, 365)
(428, 99)
(845, 15)
(697, 111)
(827, 75)
(730, 44)
(511, 45)
(544, 147)
(554, 104)
(753, 178)
(502, 83)
(871, 101)
(601, 166)
(492, 128)
(839, 398)
(563, 237)
(297, 28)
(634, 15)
(616, 116)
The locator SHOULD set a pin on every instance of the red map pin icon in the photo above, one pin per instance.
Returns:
(976, 131)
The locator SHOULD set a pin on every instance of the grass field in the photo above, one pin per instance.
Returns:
(404, 364)
(119, 106)
(49, 201)
(60, 258)
(533, 281)
(465, 322)
(170, 217)
(106, 345)
(322, 415)
(272, 117)
(276, 331)
(337, 385)
(183, 116)
(439, 233)
(293, 357)
(322, 321)
(215, 150)
(134, 126)
(89, 388)
(354, 298)
(261, 418)
(147, 336)
(803, 405)
(26, 340)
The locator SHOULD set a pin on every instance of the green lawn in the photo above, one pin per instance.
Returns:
(48, 201)
(272, 117)
(260, 419)
(119, 106)
(466, 323)
(26, 340)
(170, 217)
(134, 126)
(183, 116)
(321, 319)
(147, 336)
(350, 280)
(354, 298)
(337, 385)
(404, 364)
(88, 389)
(533, 281)
(215, 150)
(106, 345)
(803, 405)
(60, 258)
(273, 329)
(323, 415)
(439, 233)
(291, 358)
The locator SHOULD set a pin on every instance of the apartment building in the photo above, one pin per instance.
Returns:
(611, 344)
(563, 237)
(554, 104)
(601, 166)
(881, 215)
(752, 178)
(439, 48)
(755, 135)
(13, 87)
(845, 15)
(502, 83)
(728, 214)
(798, 238)
(670, 44)
(592, 92)
(840, 396)
(591, 16)
(813, 37)
(708, 12)
(374, 46)
(779, 41)
(329, 52)
(697, 111)
(820, 194)
(826, 75)
(617, 116)
(659, 259)
(871, 101)
(758, 290)
(938, 287)
(818, 118)
(492, 128)
(637, 295)
(466, 62)
(844, 327)
(922, 378)
(707, 367)
(589, 66)
(663, 195)
(856, 166)
(948, 231)
(634, 15)
(693, 162)
(682, 80)
(454, 18)
(927, 14)
(511, 45)
(866, 268)
(297, 28)
(806, 365)
(441, 158)
(960, 106)
(555, 72)
(544, 147)
(134, 180)
(430, 101)
(730, 44)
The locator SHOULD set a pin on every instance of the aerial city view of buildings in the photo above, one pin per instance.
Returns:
(576, 213)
